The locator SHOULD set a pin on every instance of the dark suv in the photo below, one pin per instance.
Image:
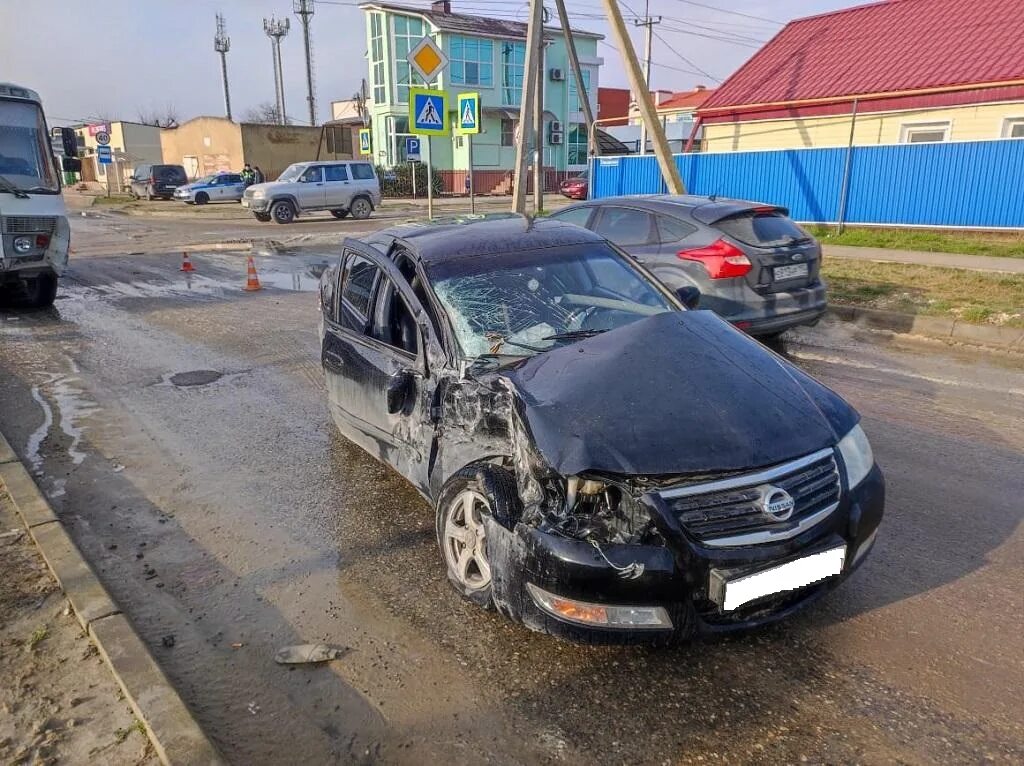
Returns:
(151, 181)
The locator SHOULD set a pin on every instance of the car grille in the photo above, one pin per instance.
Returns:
(729, 512)
(29, 224)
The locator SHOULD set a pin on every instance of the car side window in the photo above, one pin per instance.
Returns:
(624, 226)
(393, 321)
(232, 179)
(578, 215)
(362, 171)
(313, 175)
(672, 229)
(336, 173)
(142, 172)
(356, 292)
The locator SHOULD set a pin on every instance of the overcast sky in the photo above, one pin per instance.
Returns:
(117, 57)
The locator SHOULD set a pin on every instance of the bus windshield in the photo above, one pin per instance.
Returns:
(26, 163)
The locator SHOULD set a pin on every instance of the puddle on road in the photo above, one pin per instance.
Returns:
(62, 401)
(195, 378)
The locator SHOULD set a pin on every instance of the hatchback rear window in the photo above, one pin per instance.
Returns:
(762, 229)
(362, 172)
(169, 172)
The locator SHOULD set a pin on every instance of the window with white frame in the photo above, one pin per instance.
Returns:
(513, 61)
(576, 143)
(471, 61)
(408, 32)
(924, 132)
(377, 58)
(1013, 127)
(574, 96)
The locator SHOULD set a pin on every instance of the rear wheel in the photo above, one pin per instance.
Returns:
(283, 212)
(202, 198)
(339, 213)
(262, 217)
(361, 208)
(40, 292)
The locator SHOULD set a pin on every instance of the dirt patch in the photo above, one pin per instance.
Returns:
(195, 378)
(58, 701)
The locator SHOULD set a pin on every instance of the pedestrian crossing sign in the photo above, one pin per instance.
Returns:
(428, 112)
(365, 144)
(469, 113)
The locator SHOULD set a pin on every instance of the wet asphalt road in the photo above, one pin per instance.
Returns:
(264, 528)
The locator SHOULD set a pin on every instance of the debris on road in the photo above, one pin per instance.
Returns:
(308, 653)
(168, 641)
(12, 536)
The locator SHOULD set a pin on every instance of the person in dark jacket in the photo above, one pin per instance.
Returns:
(260, 178)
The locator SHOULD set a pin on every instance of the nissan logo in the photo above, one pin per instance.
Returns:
(776, 503)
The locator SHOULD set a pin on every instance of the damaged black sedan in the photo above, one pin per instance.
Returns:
(605, 463)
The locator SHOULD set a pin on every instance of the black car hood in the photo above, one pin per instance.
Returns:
(675, 393)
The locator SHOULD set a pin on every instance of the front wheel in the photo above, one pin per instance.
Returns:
(41, 292)
(283, 212)
(361, 208)
(471, 496)
(339, 214)
(202, 198)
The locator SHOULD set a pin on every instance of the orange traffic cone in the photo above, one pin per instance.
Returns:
(186, 264)
(253, 282)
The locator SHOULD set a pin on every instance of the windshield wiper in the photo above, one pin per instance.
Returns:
(7, 186)
(497, 341)
(574, 334)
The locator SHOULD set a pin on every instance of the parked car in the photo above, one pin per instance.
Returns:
(604, 463)
(151, 181)
(341, 187)
(752, 264)
(220, 187)
(575, 188)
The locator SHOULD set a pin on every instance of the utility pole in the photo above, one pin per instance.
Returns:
(304, 10)
(275, 31)
(534, 38)
(538, 132)
(648, 113)
(577, 72)
(222, 44)
(648, 22)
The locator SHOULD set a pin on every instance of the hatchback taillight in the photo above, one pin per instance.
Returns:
(722, 259)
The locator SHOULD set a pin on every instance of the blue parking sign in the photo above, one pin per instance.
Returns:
(412, 149)
(428, 112)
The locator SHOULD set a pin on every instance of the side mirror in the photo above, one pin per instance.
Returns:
(69, 142)
(689, 296)
(71, 164)
(398, 389)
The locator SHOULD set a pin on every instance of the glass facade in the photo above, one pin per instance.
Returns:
(408, 32)
(574, 96)
(513, 60)
(576, 145)
(471, 61)
(377, 58)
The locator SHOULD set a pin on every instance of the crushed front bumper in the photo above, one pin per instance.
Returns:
(677, 576)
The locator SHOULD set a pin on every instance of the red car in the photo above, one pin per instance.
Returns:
(574, 188)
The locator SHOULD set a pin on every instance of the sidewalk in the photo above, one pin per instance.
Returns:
(920, 258)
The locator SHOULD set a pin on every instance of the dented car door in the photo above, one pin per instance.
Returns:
(376, 344)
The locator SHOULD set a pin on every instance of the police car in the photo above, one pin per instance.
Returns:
(220, 187)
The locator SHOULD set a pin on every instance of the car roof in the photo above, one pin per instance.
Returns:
(451, 238)
(704, 209)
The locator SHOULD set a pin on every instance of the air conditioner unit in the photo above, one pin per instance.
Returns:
(555, 139)
(555, 126)
(557, 74)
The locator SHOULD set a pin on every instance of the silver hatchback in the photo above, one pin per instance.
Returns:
(752, 264)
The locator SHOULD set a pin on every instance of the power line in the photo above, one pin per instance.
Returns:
(731, 13)
(686, 60)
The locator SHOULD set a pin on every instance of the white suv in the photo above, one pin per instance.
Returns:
(342, 187)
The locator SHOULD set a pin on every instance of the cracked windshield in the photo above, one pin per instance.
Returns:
(529, 303)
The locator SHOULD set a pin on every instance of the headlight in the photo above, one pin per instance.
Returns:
(22, 245)
(856, 452)
(259, 194)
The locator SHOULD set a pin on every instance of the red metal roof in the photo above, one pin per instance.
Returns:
(887, 47)
(686, 99)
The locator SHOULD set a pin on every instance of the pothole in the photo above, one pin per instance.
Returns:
(195, 378)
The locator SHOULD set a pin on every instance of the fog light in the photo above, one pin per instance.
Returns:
(22, 245)
(600, 615)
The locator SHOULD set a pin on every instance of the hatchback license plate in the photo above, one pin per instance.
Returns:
(791, 272)
(790, 576)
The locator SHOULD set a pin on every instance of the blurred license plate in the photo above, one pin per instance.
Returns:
(789, 576)
(245, 202)
(791, 272)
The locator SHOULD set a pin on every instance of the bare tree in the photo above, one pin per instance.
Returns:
(263, 114)
(160, 118)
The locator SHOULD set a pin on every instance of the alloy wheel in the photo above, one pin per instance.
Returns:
(465, 540)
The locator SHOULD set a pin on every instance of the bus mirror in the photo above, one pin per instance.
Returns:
(71, 164)
(69, 142)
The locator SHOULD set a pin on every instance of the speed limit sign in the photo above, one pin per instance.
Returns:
(102, 138)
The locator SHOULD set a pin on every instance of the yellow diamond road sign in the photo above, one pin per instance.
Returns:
(427, 59)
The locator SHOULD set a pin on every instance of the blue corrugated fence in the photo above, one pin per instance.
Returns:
(972, 183)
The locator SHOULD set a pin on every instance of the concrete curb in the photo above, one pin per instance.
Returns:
(176, 737)
(941, 328)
